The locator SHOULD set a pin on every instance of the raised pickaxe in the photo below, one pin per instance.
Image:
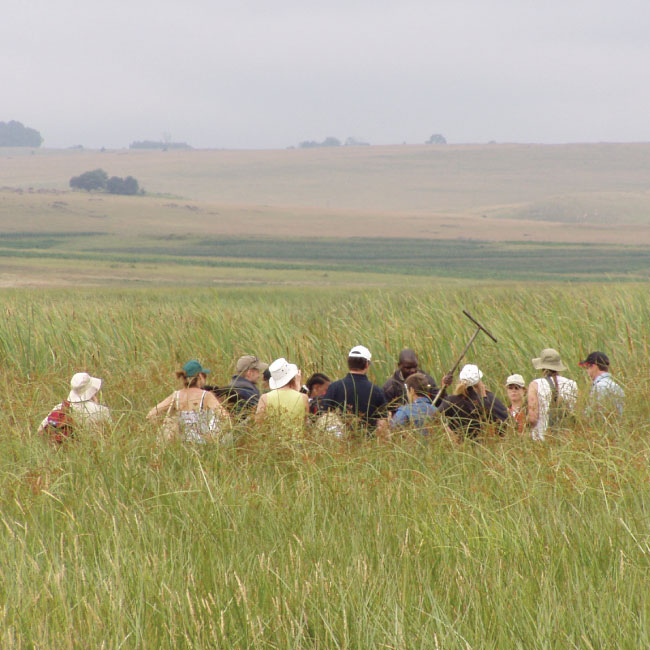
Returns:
(479, 328)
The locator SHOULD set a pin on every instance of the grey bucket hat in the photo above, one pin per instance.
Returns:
(549, 359)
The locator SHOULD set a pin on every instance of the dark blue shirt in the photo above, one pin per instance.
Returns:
(356, 395)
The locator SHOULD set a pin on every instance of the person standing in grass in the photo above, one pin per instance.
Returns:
(395, 389)
(242, 391)
(419, 411)
(192, 412)
(355, 395)
(551, 397)
(83, 403)
(472, 405)
(605, 396)
(516, 387)
(284, 403)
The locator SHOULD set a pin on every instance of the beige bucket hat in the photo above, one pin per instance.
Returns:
(282, 372)
(549, 359)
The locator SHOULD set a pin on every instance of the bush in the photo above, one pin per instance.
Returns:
(93, 180)
(117, 185)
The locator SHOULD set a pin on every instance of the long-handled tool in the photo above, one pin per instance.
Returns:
(479, 328)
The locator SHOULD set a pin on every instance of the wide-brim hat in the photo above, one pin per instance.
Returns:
(282, 372)
(549, 359)
(249, 362)
(84, 387)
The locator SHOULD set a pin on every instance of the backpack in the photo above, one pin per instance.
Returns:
(60, 424)
(560, 414)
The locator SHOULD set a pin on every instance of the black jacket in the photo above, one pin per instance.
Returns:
(465, 415)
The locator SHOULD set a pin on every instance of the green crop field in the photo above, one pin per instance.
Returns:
(120, 541)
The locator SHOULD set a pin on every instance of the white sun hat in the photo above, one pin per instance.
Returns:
(360, 351)
(84, 387)
(470, 374)
(282, 372)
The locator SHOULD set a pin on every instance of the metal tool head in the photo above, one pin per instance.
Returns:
(483, 329)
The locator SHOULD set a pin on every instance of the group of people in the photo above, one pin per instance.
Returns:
(410, 399)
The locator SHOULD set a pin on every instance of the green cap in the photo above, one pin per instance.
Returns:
(193, 368)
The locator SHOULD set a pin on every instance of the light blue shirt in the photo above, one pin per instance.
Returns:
(417, 414)
(605, 392)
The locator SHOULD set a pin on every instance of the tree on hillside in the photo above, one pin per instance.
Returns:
(329, 141)
(15, 134)
(436, 138)
(117, 185)
(93, 180)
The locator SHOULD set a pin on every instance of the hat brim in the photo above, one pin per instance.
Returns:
(88, 393)
(538, 364)
(275, 384)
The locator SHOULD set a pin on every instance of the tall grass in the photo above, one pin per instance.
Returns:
(117, 541)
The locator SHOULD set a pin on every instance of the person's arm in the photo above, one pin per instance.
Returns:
(161, 409)
(533, 404)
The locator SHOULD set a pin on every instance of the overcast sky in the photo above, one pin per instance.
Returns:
(271, 73)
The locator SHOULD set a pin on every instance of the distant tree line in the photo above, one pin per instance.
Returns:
(153, 144)
(98, 180)
(331, 141)
(15, 134)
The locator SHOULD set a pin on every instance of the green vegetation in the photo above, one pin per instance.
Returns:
(408, 257)
(119, 541)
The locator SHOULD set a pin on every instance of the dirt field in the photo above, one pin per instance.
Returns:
(566, 193)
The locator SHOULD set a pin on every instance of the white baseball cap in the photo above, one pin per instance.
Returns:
(470, 374)
(516, 380)
(360, 351)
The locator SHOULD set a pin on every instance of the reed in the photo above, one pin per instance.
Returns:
(118, 541)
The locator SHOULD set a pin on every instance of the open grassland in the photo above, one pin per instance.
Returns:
(566, 193)
(117, 541)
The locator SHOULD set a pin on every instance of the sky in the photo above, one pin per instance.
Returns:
(249, 74)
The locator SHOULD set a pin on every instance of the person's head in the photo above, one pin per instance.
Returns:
(84, 388)
(407, 363)
(469, 377)
(516, 388)
(266, 377)
(359, 359)
(549, 362)
(317, 385)
(284, 374)
(250, 367)
(418, 385)
(595, 364)
(192, 374)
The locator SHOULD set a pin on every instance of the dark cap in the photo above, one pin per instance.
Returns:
(595, 358)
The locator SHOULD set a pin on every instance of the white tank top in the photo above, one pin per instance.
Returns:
(568, 391)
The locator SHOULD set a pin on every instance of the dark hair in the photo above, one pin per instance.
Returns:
(358, 363)
(317, 379)
(188, 382)
(419, 383)
(267, 375)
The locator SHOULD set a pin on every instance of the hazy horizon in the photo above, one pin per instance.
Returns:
(247, 75)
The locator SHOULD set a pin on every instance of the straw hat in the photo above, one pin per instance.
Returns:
(282, 372)
(84, 387)
(549, 359)
(470, 374)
